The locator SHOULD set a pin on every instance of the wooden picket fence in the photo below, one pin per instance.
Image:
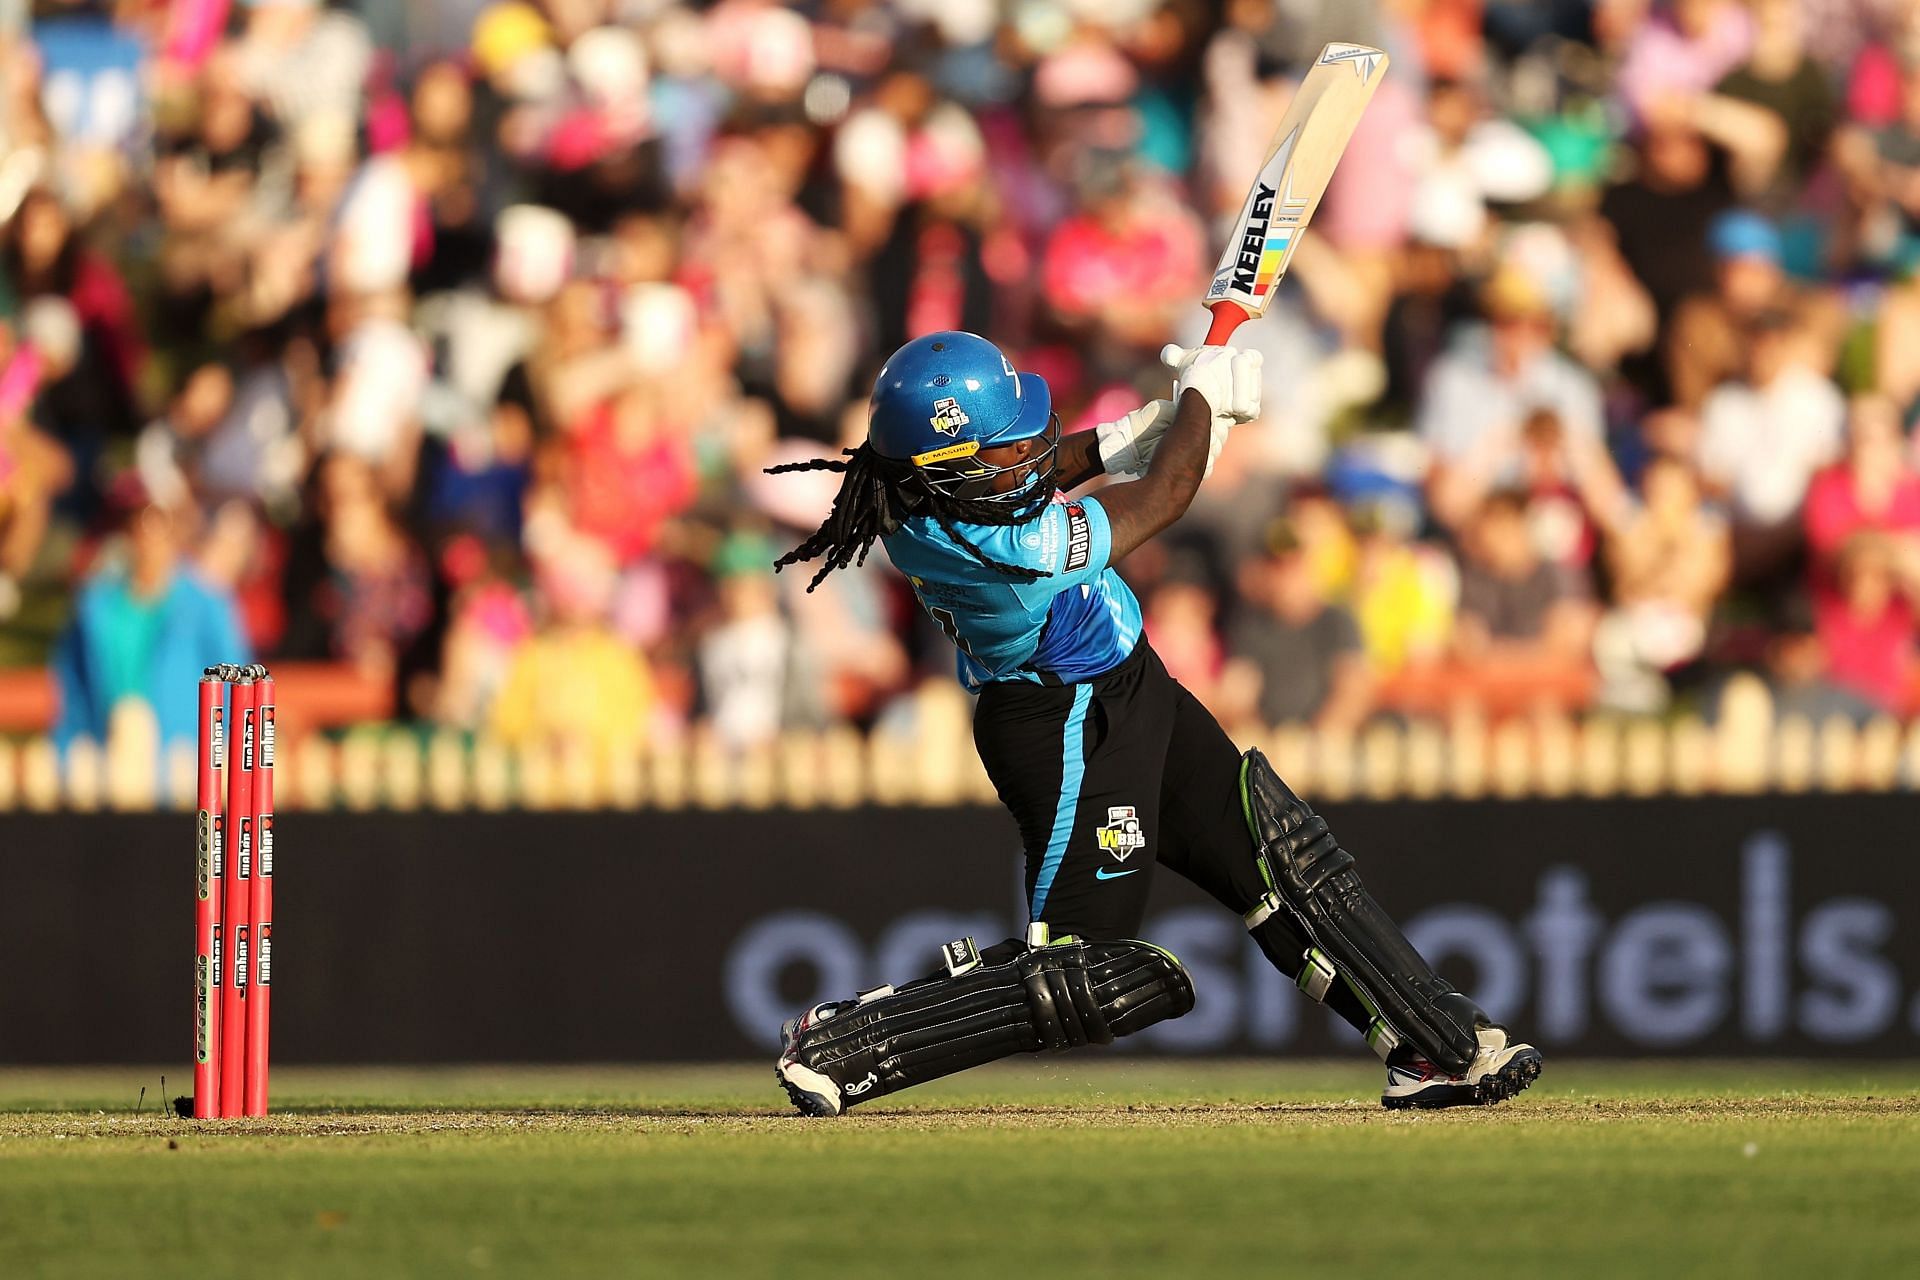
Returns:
(923, 755)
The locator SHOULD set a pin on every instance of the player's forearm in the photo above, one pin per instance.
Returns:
(1077, 459)
(1138, 511)
(1181, 462)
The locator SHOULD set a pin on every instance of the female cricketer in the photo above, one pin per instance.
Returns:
(1108, 765)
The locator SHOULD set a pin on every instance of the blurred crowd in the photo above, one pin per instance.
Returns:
(449, 341)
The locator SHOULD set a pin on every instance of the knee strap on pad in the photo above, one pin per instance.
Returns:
(1311, 878)
(1056, 997)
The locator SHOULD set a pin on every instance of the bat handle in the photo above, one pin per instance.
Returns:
(1227, 316)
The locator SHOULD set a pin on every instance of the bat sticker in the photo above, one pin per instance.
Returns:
(1362, 59)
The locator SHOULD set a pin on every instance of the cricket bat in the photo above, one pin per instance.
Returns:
(1299, 164)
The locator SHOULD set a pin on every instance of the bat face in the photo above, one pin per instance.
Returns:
(1264, 235)
(1287, 190)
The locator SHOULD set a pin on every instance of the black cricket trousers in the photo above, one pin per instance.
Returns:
(1108, 777)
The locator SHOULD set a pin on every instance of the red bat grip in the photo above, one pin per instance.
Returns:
(1227, 316)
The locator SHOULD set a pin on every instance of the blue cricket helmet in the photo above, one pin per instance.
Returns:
(943, 398)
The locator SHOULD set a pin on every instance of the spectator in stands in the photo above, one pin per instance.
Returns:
(1874, 488)
(1781, 78)
(1660, 213)
(746, 661)
(304, 59)
(1882, 166)
(1763, 438)
(1179, 620)
(1680, 50)
(1481, 393)
(1298, 660)
(1706, 344)
(1517, 608)
(144, 624)
(1798, 676)
(629, 470)
(204, 183)
(1669, 558)
(1867, 628)
(34, 468)
(87, 377)
(172, 454)
(1403, 593)
(606, 700)
(376, 595)
(489, 622)
(1126, 261)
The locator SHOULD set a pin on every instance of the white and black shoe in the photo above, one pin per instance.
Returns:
(1501, 1068)
(812, 1092)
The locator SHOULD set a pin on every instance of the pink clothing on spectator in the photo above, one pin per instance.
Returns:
(105, 307)
(1871, 656)
(1663, 60)
(623, 494)
(1089, 264)
(194, 28)
(1833, 512)
(19, 383)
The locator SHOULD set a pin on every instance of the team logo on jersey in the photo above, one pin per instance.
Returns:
(1121, 836)
(1079, 538)
(948, 417)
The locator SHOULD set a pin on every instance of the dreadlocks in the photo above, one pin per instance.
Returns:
(877, 494)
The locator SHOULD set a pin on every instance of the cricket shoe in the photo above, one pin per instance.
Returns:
(1500, 1069)
(813, 1094)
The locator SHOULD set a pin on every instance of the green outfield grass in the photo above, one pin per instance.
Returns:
(1042, 1168)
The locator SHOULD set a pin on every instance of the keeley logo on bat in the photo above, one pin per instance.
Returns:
(1253, 241)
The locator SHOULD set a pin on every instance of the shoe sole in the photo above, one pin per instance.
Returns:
(809, 1102)
(1513, 1077)
(1519, 1071)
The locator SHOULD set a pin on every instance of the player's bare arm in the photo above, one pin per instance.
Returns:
(1140, 510)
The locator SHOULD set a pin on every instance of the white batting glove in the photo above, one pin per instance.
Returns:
(1228, 378)
(1127, 444)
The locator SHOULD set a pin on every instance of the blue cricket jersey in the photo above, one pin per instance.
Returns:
(1079, 622)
